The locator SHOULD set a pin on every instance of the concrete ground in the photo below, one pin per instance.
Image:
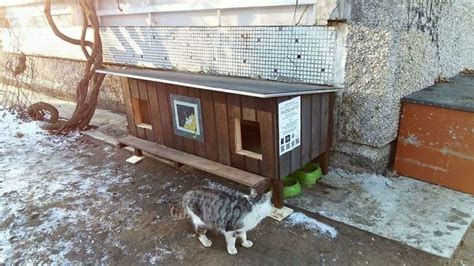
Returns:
(77, 200)
(422, 215)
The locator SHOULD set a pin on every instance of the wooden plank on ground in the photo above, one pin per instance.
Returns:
(222, 127)
(127, 100)
(203, 164)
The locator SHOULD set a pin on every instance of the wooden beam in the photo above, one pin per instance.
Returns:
(260, 183)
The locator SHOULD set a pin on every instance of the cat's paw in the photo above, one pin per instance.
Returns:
(232, 250)
(247, 244)
(206, 242)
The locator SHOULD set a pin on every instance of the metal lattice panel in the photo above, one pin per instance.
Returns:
(293, 53)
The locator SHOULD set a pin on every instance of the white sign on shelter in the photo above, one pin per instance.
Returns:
(289, 124)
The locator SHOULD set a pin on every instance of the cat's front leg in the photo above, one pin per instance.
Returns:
(201, 233)
(245, 243)
(230, 240)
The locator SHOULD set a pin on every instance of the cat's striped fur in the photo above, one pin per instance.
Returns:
(228, 212)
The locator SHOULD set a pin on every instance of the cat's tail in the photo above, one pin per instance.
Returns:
(177, 211)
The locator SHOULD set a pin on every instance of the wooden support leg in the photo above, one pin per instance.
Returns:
(177, 165)
(277, 199)
(137, 152)
(324, 162)
(121, 145)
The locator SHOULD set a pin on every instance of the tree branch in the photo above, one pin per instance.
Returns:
(57, 32)
(87, 90)
(84, 32)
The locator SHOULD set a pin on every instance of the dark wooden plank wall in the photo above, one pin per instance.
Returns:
(314, 133)
(234, 112)
(155, 109)
(222, 127)
(127, 99)
(218, 111)
(266, 116)
(135, 94)
(143, 93)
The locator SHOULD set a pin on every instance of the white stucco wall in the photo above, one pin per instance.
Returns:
(171, 13)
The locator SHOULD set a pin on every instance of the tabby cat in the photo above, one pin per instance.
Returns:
(228, 212)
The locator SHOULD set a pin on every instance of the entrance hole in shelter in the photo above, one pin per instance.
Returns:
(247, 138)
(141, 113)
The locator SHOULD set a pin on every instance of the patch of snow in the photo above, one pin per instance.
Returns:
(50, 190)
(298, 218)
(171, 186)
(145, 187)
(157, 255)
(5, 247)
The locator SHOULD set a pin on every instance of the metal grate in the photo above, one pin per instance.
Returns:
(302, 54)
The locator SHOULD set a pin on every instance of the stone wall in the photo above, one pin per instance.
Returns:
(393, 49)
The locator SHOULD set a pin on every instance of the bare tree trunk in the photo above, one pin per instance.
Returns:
(87, 90)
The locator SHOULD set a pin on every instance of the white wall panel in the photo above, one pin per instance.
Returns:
(293, 54)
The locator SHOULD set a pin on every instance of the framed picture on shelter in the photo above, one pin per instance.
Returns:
(187, 119)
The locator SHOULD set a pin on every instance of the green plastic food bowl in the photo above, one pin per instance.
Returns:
(309, 174)
(291, 187)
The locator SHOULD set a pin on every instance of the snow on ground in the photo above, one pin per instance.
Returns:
(301, 219)
(59, 202)
(52, 198)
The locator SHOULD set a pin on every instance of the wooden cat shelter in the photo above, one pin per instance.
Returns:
(249, 131)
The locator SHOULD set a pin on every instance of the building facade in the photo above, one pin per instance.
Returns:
(378, 51)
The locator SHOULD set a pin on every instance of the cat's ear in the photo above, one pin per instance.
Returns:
(253, 192)
(269, 194)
